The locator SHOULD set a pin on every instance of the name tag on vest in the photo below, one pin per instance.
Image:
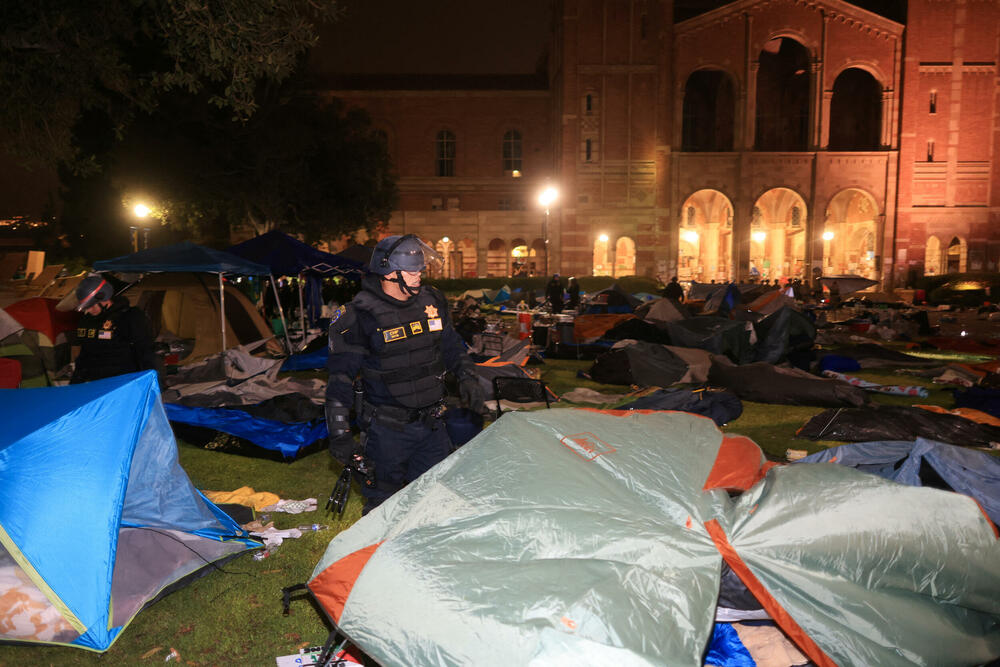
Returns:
(399, 333)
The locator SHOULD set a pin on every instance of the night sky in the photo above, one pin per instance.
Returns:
(435, 37)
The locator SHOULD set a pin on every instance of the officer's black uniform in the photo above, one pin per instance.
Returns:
(401, 350)
(116, 341)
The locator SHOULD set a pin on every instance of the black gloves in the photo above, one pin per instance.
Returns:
(340, 440)
(342, 446)
(471, 392)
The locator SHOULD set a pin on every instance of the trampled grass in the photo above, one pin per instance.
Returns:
(232, 616)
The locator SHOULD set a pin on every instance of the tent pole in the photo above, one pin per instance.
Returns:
(302, 313)
(222, 312)
(281, 312)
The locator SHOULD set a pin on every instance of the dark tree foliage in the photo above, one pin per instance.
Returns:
(62, 58)
(299, 164)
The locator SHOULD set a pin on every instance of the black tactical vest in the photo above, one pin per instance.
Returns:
(407, 347)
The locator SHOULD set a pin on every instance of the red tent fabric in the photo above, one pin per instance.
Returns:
(40, 314)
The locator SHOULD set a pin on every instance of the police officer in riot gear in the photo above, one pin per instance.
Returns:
(390, 349)
(114, 337)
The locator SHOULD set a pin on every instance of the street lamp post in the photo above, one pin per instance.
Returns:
(547, 197)
(142, 212)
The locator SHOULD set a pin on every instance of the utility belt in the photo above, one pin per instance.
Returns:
(397, 416)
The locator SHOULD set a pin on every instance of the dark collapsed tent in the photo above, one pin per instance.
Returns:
(896, 422)
(766, 383)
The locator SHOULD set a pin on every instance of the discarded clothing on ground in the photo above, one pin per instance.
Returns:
(924, 462)
(766, 383)
(893, 389)
(896, 422)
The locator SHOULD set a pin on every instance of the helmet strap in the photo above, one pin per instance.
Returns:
(399, 280)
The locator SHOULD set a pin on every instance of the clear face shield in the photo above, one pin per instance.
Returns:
(410, 255)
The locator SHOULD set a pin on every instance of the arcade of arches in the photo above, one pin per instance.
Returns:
(705, 247)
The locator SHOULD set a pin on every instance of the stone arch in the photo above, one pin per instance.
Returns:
(520, 257)
(602, 265)
(624, 257)
(955, 255)
(468, 258)
(705, 237)
(708, 116)
(778, 235)
(850, 234)
(932, 257)
(855, 111)
(783, 93)
(446, 248)
(496, 258)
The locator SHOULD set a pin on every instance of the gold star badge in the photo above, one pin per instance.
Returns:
(107, 324)
(431, 311)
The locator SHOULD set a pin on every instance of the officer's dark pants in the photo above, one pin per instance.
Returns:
(401, 453)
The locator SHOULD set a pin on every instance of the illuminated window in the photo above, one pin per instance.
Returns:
(512, 151)
(445, 153)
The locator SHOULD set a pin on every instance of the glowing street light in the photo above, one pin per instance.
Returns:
(758, 236)
(140, 211)
(603, 238)
(827, 236)
(546, 198)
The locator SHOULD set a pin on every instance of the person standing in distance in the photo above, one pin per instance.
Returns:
(394, 342)
(673, 290)
(554, 292)
(114, 337)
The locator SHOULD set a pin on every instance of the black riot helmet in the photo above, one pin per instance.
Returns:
(93, 289)
(395, 254)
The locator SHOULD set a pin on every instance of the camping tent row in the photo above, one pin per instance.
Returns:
(603, 539)
(97, 518)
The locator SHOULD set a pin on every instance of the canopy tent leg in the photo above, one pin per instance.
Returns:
(222, 311)
(302, 314)
(281, 312)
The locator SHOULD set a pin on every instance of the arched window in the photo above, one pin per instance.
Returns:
(855, 112)
(496, 259)
(955, 256)
(512, 151)
(624, 257)
(932, 257)
(709, 112)
(601, 267)
(444, 153)
(783, 96)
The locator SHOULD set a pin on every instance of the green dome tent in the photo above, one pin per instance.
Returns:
(576, 537)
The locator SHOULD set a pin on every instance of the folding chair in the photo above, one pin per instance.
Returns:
(519, 390)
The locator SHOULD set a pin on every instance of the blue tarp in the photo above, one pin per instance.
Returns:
(307, 360)
(966, 471)
(267, 433)
(182, 257)
(91, 492)
(287, 256)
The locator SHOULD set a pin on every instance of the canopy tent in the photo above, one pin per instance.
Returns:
(574, 537)
(849, 283)
(97, 518)
(287, 256)
(187, 257)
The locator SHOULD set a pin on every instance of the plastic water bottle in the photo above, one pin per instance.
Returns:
(305, 528)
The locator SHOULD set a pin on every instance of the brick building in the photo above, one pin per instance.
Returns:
(771, 138)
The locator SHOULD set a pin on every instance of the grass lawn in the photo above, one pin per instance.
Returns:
(233, 616)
